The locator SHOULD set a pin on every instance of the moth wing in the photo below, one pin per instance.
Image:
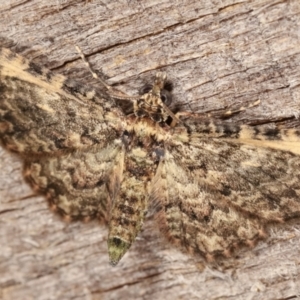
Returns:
(81, 184)
(42, 112)
(213, 194)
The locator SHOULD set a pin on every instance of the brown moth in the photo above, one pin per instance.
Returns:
(213, 185)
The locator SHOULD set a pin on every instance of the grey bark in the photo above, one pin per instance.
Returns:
(220, 55)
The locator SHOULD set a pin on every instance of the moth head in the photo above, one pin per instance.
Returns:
(154, 100)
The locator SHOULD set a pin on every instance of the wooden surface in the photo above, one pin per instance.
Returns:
(220, 55)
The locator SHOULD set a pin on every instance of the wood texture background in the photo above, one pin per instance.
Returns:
(220, 55)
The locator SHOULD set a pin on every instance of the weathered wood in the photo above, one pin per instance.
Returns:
(220, 56)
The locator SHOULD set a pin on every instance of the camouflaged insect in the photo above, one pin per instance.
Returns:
(213, 185)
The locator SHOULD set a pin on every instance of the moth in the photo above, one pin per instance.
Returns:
(212, 185)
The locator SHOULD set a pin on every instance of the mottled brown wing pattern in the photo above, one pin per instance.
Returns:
(69, 135)
(75, 184)
(78, 148)
(221, 184)
(42, 113)
(214, 185)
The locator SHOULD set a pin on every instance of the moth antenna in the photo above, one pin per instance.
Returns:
(114, 93)
(88, 65)
(242, 108)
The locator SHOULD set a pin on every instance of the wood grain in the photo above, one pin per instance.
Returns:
(219, 56)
